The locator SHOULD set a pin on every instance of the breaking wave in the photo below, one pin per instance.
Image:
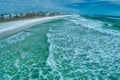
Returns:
(94, 24)
(84, 51)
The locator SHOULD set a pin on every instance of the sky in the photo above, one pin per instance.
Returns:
(98, 7)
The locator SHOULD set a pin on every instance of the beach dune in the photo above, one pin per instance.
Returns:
(9, 28)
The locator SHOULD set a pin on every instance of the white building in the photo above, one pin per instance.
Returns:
(13, 15)
(6, 16)
(23, 14)
(47, 14)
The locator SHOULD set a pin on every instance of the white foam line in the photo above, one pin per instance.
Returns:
(15, 26)
(94, 24)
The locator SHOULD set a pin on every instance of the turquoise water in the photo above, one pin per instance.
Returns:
(71, 48)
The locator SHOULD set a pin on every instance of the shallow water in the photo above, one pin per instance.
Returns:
(72, 48)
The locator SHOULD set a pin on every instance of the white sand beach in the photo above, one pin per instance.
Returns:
(9, 28)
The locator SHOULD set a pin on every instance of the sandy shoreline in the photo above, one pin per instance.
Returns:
(9, 28)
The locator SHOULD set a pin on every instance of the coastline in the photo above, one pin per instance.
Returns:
(9, 28)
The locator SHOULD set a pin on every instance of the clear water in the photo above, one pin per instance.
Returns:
(72, 48)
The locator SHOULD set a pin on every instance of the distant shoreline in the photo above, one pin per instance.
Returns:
(7, 17)
(24, 18)
(8, 28)
(16, 19)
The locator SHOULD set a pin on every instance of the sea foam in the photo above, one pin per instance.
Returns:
(94, 24)
(80, 52)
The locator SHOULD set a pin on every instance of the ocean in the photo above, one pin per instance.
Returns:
(79, 47)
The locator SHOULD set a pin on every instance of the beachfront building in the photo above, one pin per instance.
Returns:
(12, 15)
(54, 14)
(18, 15)
(46, 14)
(23, 14)
(40, 13)
(43, 14)
(6, 16)
(31, 14)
